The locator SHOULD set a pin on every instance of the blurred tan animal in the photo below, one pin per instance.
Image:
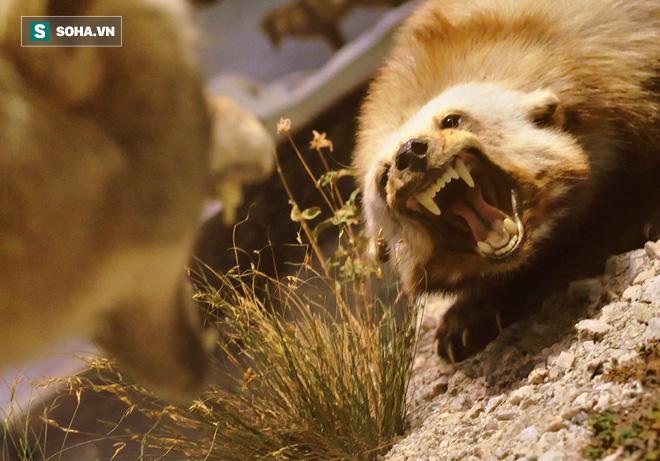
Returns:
(312, 18)
(507, 147)
(104, 167)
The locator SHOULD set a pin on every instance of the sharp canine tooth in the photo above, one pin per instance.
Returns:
(427, 201)
(463, 172)
(485, 248)
(510, 226)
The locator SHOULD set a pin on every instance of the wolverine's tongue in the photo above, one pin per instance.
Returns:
(471, 188)
(494, 231)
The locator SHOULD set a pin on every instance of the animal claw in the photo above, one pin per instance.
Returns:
(450, 353)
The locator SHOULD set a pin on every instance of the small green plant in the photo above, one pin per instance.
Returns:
(647, 349)
(317, 368)
(633, 435)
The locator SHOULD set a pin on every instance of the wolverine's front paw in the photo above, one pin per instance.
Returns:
(467, 328)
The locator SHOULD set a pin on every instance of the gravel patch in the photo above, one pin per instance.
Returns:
(530, 394)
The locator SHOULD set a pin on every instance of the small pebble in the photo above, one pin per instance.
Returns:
(584, 401)
(613, 311)
(520, 394)
(588, 345)
(650, 290)
(642, 312)
(652, 250)
(643, 276)
(506, 415)
(565, 360)
(537, 376)
(570, 413)
(632, 293)
(653, 330)
(638, 263)
(552, 455)
(493, 403)
(592, 329)
(557, 424)
(529, 433)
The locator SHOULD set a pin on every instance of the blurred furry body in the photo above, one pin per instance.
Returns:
(103, 172)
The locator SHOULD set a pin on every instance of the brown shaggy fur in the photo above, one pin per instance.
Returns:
(562, 99)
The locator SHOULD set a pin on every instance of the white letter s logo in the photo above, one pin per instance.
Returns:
(40, 31)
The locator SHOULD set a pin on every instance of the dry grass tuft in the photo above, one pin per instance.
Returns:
(316, 369)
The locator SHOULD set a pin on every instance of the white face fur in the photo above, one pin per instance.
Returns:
(513, 141)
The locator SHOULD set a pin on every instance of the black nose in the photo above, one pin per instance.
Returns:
(412, 155)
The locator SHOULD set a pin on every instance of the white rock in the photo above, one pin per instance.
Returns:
(592, 329)
(613, 311)
(552, 455)
(588, 346)
(537, 376)
(520, 394)
(493, 403)
(650, 290)
(652, 249)
(529, 433)
(565, 360)
(584, 401)
(653, 330)
(604, 402)
(643, 276)
(632, 293)
(642, 312)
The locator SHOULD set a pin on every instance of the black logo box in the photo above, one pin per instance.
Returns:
(76, 22)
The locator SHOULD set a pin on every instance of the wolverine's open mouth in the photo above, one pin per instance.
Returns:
(470, 204)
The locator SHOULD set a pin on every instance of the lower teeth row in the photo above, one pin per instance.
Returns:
(512, 229)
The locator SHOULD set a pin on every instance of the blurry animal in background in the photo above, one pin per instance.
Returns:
(313, 18)
(507, 147)
(242, 153)
(104, 168)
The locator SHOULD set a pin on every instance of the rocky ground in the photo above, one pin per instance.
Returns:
(536, 391)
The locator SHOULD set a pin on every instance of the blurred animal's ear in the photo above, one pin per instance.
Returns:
(541, 107)
(162, 347)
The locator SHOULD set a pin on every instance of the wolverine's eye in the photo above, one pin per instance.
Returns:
(543, 121)
(544, 114)
(451, 121)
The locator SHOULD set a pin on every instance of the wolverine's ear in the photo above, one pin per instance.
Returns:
(162, 347)
(542, 107)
